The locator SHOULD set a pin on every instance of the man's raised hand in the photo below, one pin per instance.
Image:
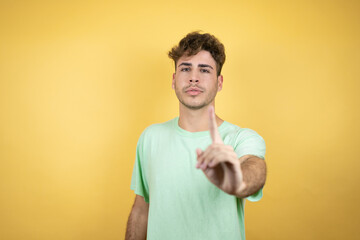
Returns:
(219, 162)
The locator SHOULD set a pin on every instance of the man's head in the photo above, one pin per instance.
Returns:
(198, 62)
(194, 42)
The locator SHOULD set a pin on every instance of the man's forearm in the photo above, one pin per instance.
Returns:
(137, 225)
(254, 176)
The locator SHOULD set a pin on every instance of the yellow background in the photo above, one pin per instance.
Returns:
(80, 80)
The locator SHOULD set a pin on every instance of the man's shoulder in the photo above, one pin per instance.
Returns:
(158, 128)
(245, 141)
(240, 133)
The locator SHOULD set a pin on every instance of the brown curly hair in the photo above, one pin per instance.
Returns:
(194, 42)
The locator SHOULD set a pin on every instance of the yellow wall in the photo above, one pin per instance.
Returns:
(80, 80)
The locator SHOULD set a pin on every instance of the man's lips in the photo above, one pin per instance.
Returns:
(193, 91)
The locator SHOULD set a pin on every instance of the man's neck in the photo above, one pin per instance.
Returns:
(195, 120)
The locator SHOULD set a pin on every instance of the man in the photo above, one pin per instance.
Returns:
(192, 173)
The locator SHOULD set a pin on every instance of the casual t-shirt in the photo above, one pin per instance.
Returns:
(183, 203)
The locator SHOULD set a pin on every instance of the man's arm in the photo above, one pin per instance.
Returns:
(137, 222)
(254, 175)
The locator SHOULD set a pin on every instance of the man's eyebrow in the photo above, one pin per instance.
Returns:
(185, 64)
(205, 65)
(199, 65)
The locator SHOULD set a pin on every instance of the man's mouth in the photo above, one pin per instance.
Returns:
(193, 91)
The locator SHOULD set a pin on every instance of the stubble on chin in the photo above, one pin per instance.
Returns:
(193, 107)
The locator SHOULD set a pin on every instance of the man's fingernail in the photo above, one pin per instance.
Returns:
(203, 166)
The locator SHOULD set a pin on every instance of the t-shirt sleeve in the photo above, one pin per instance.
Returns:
(251, 143)
(138, 180)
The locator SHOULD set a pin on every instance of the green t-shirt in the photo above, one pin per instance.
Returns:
(184, 204)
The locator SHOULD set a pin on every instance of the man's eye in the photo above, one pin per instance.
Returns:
(185, 69)
(204, 70)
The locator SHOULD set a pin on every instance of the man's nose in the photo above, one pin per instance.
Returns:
(194, 78)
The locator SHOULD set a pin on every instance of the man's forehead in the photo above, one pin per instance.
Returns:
(202, 57)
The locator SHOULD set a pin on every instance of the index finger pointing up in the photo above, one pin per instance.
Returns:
(215, 135)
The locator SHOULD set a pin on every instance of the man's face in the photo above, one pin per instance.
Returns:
(195, 81)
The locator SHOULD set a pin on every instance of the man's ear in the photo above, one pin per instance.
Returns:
(220, 82)
(173, 81)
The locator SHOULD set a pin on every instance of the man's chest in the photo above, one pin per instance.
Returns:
(171, 169)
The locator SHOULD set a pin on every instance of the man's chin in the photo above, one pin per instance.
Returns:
(194, 106)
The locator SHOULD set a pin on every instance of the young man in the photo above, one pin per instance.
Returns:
(192, 173)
